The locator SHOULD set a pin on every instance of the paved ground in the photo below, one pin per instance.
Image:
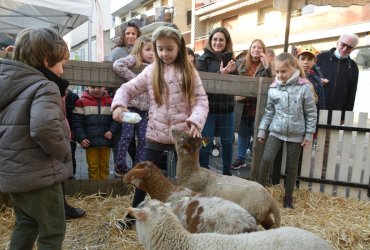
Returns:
(215, 164)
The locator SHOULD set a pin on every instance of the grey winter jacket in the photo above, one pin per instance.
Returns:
(290, 113)
(34, 147)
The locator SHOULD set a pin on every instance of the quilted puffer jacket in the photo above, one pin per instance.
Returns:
(290, 113)
(34, 146)
(175, 112)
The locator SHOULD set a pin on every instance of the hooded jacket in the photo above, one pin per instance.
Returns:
(340, 92)
(34, 147)
(290, 113)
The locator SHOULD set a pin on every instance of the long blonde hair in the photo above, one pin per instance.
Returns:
(181, 62)
(290, 61)
(139, 44)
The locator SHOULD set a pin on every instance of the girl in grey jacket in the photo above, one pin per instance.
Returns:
(290, 116)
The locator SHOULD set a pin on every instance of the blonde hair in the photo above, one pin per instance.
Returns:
(290, 61)
(181, 62)
(33, 46)
(248, 62)
(138, 47)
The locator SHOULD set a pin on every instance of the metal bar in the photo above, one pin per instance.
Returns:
(346, 128)
(332, 182)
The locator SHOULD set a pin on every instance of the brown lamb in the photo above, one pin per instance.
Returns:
(249, 194)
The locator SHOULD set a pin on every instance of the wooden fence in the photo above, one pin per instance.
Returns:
(353, 175)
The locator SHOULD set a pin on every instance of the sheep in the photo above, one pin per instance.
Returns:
(197, 213)
(159, 229)
(249, 194)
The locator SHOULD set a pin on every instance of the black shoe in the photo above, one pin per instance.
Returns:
(126, 223)
(288, 202)
(227, 172)
(73, 213)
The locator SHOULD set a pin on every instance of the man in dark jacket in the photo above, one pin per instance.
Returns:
(342, 73)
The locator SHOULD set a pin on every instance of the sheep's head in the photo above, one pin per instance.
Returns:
(185, 143)
(138, 174)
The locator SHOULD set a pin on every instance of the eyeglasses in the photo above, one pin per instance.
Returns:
(344, 45)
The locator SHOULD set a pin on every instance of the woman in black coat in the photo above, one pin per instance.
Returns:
(218, 58)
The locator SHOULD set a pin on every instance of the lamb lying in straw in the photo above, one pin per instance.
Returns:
(249, 194)
(159, 229)
(196, 213)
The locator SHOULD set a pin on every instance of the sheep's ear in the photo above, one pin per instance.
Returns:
(137, 213)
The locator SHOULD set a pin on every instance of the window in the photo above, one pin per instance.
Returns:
(263, 13)
(123, 19)
(188, 17)
(268, 16)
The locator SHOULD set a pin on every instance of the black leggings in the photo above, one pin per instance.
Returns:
(159, 159)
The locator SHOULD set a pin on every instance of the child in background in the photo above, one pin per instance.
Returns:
(306, 56)
(290, 116)
(142, 54)
(177, 98)
(35, 154)
(191, 56)
(93, 128)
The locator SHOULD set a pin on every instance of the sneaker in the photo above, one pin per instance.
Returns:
(238, 164)
(73, 212)
(288, 202)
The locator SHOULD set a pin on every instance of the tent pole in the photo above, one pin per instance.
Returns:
(287, 26)
(89, 48)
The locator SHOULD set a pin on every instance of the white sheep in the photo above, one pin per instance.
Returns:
(197, 213)
(249, 194)
(159, 229)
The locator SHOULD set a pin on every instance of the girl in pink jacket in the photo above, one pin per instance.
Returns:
(176, 98)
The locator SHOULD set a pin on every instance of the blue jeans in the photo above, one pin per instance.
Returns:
(245, 133)
(224, 124)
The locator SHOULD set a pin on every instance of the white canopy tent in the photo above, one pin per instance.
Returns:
(61, 15)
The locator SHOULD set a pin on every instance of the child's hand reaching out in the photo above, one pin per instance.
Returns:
(117, 112)
(261, 140)
(194, 131)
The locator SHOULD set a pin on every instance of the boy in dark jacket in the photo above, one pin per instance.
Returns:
(93, 128)
(35, 155)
